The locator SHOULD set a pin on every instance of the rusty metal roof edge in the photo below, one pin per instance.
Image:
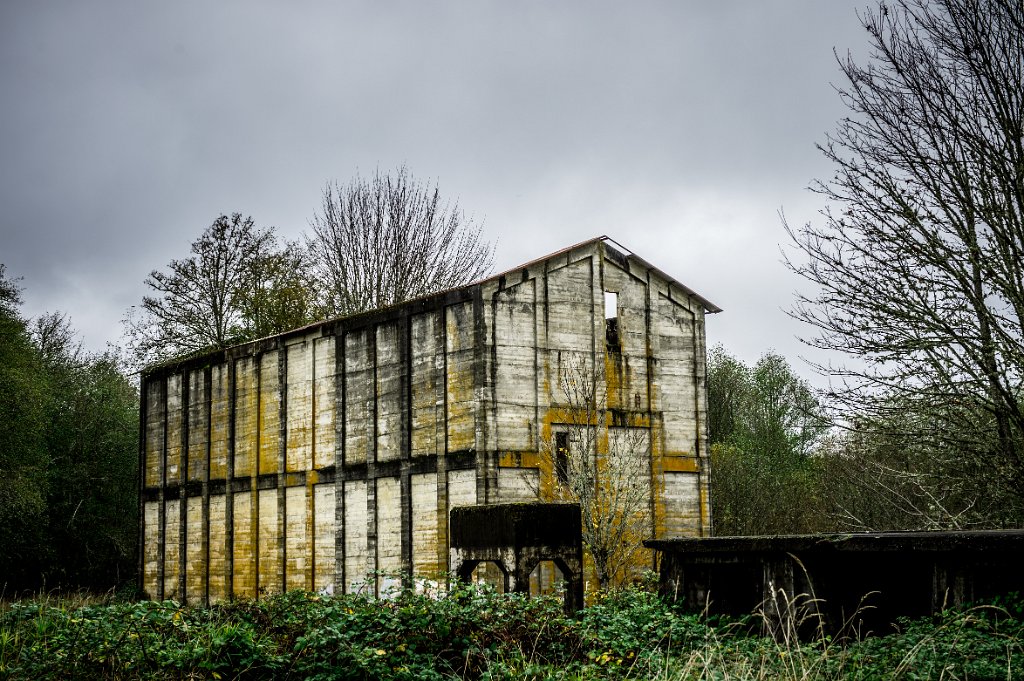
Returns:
(709, 307)
(537, 261)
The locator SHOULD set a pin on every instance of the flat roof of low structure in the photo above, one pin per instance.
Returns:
(954, 540)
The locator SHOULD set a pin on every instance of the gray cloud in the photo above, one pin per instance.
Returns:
(679, 129)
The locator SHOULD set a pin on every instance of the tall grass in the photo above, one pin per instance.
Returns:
(475, 633)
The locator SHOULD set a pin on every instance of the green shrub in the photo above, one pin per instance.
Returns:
(475, 633)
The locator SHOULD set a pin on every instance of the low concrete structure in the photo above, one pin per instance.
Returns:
(324, 456)
(516, 538)
(864, 581)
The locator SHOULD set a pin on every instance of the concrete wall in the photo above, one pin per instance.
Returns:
(840, 583)
(315, 458)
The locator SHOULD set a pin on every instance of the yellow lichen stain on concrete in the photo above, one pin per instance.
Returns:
(172, 548)
(269, 434)
(154, 435)
(198, 433)
(300, 412)
(297, 546)
(460, 394)
(520, 460)
(217, 548)
(151, 549)
(614, 380)
(219, 410)
(246, 418)
(269, 573)
(324, 536)
(459, 382)
(324, 403)
(195, 552)
(244, 554)
(173, 474)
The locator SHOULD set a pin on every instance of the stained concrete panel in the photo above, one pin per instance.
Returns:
(356, 554)
(195, 551)
(515, 325)
(427, 397)
(172, 548)
(174, 429)
(218, 548)
(246, 419)
(269, 414)
(388, 381)
(151, 549)
(155, 413)
(570, 302)
(244, 539)
(460, 380)
(681, 495)
(324, 536)
(426, 557)
(359, 404)
(626, 369)
(518, 484)
(297, 547)
(269, 551)
(674, 376)
(299, 406)
(461, 488)
(220, 411)
(628, 467)
(389, 529)
(324, 406)
(198, 425)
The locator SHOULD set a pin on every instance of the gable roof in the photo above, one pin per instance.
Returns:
(619, 249)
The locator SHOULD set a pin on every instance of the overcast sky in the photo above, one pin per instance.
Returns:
(680, 129)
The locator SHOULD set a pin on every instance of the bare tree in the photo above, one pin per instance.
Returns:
(381, 241)
(604, 468)
(918, 268)
(228, 291)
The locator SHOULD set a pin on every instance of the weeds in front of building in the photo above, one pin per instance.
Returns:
(473, 632)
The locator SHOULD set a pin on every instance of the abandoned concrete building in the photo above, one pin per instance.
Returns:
(327, 456)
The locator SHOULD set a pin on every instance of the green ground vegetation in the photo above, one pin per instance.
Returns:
(475, 633)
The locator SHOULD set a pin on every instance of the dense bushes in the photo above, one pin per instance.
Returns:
(782, 462)
(471, 633)
(68, 457)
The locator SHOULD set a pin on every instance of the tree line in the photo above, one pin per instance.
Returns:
(68, 457)
(783, 462)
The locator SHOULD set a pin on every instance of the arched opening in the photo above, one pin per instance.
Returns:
(547, 578)
(490, 573)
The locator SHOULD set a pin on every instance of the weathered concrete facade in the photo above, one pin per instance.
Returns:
(318, 457)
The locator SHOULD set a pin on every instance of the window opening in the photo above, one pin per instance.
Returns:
(562, 457)
(611, 305)
(490, 573)
(611, 320)
(546, 579)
